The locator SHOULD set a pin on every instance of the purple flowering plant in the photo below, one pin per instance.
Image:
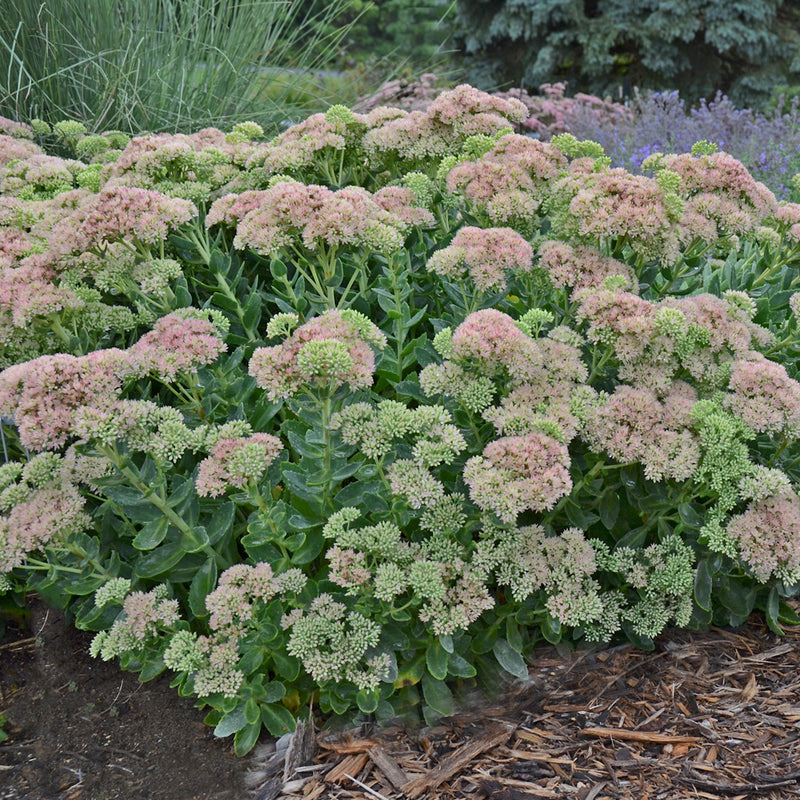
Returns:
(353, 417)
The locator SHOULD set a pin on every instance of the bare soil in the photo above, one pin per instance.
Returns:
(81, 729)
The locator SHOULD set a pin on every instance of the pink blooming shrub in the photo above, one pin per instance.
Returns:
(43, 395)
(177, 343)
(53, 512)
(14, 149)
(510, 181)
(591, 206)
(444, 125)
(635, 425)
(312, 216)
(721, 196)
(491, 342)
(768, 536)
(580, 267)
(764, 396)
(314, 415)
(128, 213)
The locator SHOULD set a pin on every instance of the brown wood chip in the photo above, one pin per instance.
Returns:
(457, 760)
(388, 766)
(351, 765)
(638, 736)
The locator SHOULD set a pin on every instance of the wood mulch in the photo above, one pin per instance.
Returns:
(706, 715)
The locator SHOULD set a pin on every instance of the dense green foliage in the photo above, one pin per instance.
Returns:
(408, 32)
(160, 65)
(741, 48)
(351, 418)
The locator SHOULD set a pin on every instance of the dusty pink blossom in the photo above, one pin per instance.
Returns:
(144, 612)
(517, 473)
(763, 395)
(511, 180)
(593, 206)
(51, 513)
(177, 343)
(121, 213)
(768, 535)
(444, 126)
(13, 149)
(486, 253)
(720, 188)
(403, 204)
(234, 462)
(787, 217)
(491, 341)
(621, 319)
(347, 567)
(28, 291)
(281, 369)
(582, 267)
(44, 395)
(230, 605)
(634, 425)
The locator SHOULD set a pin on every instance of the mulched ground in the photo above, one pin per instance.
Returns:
(706, 715)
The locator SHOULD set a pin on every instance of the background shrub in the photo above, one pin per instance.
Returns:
(741, 49)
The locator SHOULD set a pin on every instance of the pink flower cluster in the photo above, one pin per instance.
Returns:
(46, 395)
(43, 395)
(282, 370)
(298, 146)
(238, 589)
(177, 343)
(14, 149)
(148, 162)
(516, 473)
(721, 196)
(235, 462)
(634, 425)
(763, 396)
(768, 535)
(581, 267)
(593, 206)
(292, 212)
(50, 513)
(487, 253)
(120, 213)
(653, 341)
(787, 217)
(510, 181)
(490, 341)
(27, 292)
(38, 176)
(449, 120)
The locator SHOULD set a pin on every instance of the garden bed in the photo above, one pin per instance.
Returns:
(709, 714)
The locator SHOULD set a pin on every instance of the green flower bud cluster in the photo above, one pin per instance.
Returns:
(332, 643)
(113, 592)
(421, 185)
(725, 456)
(282, 325)
(573, 148)
(533, 321)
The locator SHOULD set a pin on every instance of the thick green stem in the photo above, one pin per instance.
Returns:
(157, 499)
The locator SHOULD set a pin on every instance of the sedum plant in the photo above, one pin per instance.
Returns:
(354, 417)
